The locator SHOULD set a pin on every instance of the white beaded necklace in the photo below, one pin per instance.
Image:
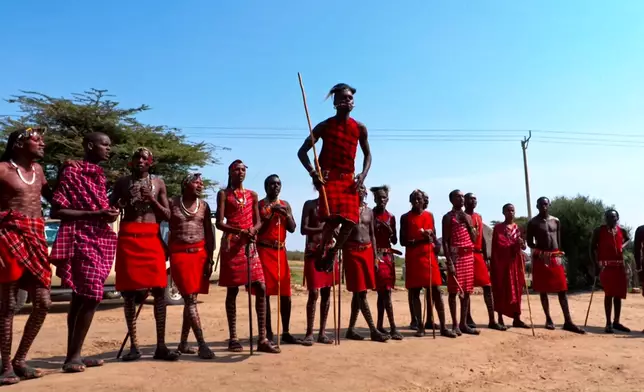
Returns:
(33, 173)
(186, 211)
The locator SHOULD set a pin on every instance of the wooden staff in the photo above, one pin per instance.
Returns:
(217, 262)
(431, 299)
(250, 307)
(127, 335)
(322, 190)
(527, 292)
(279, 282)
(591, 301)
(339, 293)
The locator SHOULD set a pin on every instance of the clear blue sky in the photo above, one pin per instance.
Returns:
(564, 66)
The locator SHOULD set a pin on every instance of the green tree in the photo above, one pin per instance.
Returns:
(579, 216)
(69, 119)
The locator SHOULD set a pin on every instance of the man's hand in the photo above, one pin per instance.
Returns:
(359, 180)
(463, 218)
(146, 193)
(279, 209)
(208, 267)
(109, 215)
(451, 268)
(318, 181)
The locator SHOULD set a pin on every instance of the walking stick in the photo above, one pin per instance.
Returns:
(527, 293)
(127, 335)
(591, 301)
(217, 262)
(322, 190)
(250, 309)
(431, 300)
(279, 284)
(339, 293)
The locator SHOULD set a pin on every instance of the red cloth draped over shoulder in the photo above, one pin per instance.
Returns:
(462, 254)
(421, 257)
(386, 273)
(481, 274)
(238, 211)
(188, 266)
(314, 279)
(610, 256)
(508, 278)
(337, 162)
(140, 257)
(23, 248)
(358, 262)
(271, 248)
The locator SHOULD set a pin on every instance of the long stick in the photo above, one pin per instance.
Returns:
(591, 301)
(527, 293)
(339, 294)
(335, 316)
(127, 335)
(431, 299)
(322, 189)
(279, 284)
(217, 262)
(250, 307)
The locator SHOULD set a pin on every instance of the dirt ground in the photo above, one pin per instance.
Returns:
(493, 361)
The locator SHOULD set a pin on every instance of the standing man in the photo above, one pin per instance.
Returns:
(385, 234)
(548, 273)
(84, 250)
(340, 137)
(638, 252)
(360, 260)
(23, 248)
(277, 218)
(192, 245)
(238, 218)
(418, 236)
(458, 246)
(318, 283)
(481, 273)
(607, 255)
(140, 254)
(507, 265)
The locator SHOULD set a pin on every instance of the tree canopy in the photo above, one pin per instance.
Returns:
(69, 119)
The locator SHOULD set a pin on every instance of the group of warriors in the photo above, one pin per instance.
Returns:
(343, 236)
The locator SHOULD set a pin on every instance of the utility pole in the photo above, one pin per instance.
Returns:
(524, 147)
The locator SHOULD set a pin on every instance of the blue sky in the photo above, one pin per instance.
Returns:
(572, 67)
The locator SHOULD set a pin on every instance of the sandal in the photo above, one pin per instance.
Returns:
(27, 372)
(73, 367)
(234, 346)
(93, 362)
(205, 352)
(448, 333)
(570, 327)
(266, 346)
(353, 335)
(323, 339)
(164, 354)
(133, 355)
(185, 349)
(287, 338)
(308, 341)
(9, 378)
(395, 335)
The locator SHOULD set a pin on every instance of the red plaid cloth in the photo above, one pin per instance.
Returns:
(23, 246)
(238, 212)
(337, 161)
(508, 279)
(84, 250)
(462, 257)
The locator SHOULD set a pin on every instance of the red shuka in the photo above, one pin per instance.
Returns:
(140, 257)
(314, 279)
(419, 259)
(463, 259)
(188, 266)
(508, 279)
(337, 162)
(238, 212)
(269, 240)
(481, 274)
(610, 256)
(548, 273)
(359, 267)
(386, 274)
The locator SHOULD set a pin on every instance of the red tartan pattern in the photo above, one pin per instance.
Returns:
(342, 197)
(22, 240)
(84, 250)
(234, 270)
(339, 145)
(508, 278)
(462, 257)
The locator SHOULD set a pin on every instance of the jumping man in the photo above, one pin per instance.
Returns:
(507, 266)
(140, 254)
(318, 283)
(192, 245)
(607, 255)
(359, 256)
(385, 234)
(23, 247)
(238, 218)
(481, 274)
(458, 245)
(277, 219)
(548, 274)
(340, 137)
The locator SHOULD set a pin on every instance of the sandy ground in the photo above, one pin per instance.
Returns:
(493, 361)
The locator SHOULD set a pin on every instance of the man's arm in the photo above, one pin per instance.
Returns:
(257, 220)
(160, 203)
(221, 213)
(366, 150)
(637, 248)
(46, 191)
(484, 245)
(558, 233)
(61, 206)
(303, 152)
(209, 235)
(394, 238)
(625, 236)
(372, 235)
(530, 234)
(305, 228)
(447, 238)
(290, 220)
(117, 192)
(403, 230)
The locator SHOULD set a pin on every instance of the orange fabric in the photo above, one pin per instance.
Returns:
(358, 262)
(268, 257)
(188, 269)
(140, 257)
(481, 274)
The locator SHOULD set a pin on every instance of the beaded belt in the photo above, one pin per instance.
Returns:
(188, 250)
(138, 235)
(357, 247)
(272, 245)
(462, 250)
(611, 263)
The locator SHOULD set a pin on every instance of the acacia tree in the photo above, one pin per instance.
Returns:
(69, 119)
